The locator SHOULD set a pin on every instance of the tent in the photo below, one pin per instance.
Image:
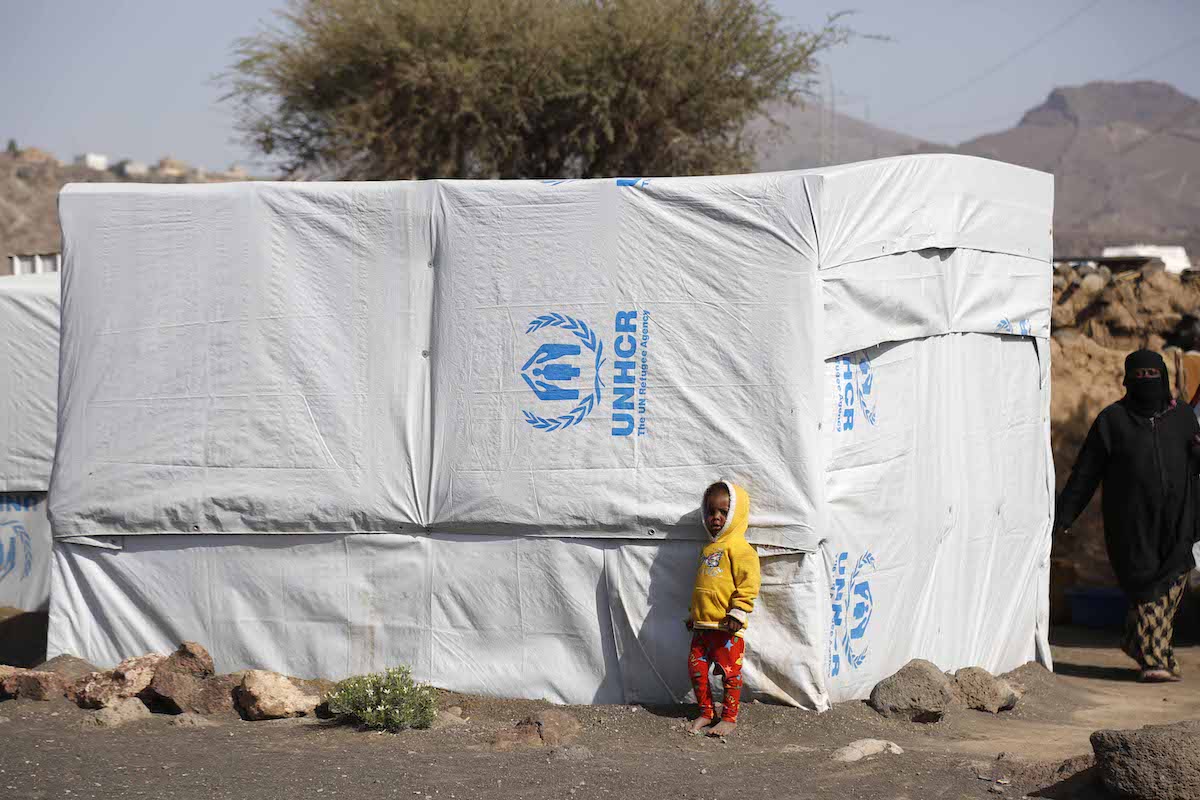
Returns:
(28, 422)
(464, 425)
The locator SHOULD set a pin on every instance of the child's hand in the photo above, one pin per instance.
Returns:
(731, 624)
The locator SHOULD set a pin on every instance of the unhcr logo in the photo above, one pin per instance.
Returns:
(15, 546)
(855, 391)
(552, 372)
(852, 606)
(565, 373)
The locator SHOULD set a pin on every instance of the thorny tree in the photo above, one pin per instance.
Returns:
(391, 89)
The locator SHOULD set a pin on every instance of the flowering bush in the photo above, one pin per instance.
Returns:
(389, 700)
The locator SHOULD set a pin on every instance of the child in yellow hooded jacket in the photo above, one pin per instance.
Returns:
(727, 583)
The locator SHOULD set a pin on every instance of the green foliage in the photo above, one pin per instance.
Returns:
(12, 148)
(391, 89)
(389, 700)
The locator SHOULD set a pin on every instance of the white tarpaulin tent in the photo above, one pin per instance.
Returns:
(325, 428)
(29, 385)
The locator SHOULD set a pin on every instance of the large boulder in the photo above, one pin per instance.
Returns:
(175, 692)
(1158, 762)
(190, 658)
(269, 695)
(128, 679)
(185, 682)
(982, 691)
(121, 712)
(919, 692)
(32, 684)
(70, 667)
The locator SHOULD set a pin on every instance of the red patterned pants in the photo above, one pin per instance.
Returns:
(725, 650)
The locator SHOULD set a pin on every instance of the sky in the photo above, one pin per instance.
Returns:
(138, 78)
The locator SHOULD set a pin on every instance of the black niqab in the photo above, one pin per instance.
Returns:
(1146, 395)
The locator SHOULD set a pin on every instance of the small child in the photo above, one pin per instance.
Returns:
(726, 587)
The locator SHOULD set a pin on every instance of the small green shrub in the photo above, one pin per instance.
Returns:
(389, 700)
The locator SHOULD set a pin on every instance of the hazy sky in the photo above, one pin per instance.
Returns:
(134, 78)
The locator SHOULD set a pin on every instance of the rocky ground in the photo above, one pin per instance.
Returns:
(478, 748)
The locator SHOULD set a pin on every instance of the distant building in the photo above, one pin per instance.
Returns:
(132, 169)
(32, 155)
(1175, 259)
(34, 264)
(94, 161)
(171, 168)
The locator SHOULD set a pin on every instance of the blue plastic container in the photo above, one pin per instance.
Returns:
(1097, 608)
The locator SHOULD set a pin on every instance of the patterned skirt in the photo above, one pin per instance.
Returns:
(1150, 627)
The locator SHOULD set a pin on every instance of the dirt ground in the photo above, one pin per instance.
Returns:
(623, 751)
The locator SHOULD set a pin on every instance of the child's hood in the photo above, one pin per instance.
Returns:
(739, 512)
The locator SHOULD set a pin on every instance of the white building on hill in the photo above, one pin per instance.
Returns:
(94, 161)
(1174, 258)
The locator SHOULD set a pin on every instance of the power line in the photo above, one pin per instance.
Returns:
(1160, 57)
(1004, 62)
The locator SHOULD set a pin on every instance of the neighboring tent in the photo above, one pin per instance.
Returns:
(464, 425)
(29, 373)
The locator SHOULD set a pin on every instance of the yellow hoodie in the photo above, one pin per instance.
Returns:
(727, 579)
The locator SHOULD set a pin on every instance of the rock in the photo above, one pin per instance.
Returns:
(1105, 272)
(574, 752)
(32, 684)
(176, 692)
(797, 748)
(919, 692)
(557, 728)
(5, 673)
(549, 728)
(1060, 281)
(855, 751)
(4, 720)
(120, 712)
(980, 690)
(190, 720)
(445, 719)
(523, 735)
(185, 682)
(1092, 284)
(192, 659)
(269, 695)
(128, 679)
(1159, 761)
(70, 667)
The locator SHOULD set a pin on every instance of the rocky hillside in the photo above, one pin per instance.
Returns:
(29, 186)
(797, 141)
(1126, 158)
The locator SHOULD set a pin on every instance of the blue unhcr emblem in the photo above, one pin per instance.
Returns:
(855, 391)
(852, 607)
(552, 372)
(1020, 328)
(18, 539)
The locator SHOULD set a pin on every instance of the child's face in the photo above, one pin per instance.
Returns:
(716, 511)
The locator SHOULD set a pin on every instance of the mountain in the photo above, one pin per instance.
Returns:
(810, 136)
(1126, 158)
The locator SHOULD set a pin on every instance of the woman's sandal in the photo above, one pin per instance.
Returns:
(1158, 676)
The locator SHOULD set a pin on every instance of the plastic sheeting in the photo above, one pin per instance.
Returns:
(28, 422)
(25, 545)
(460, 369)
(28, 380)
